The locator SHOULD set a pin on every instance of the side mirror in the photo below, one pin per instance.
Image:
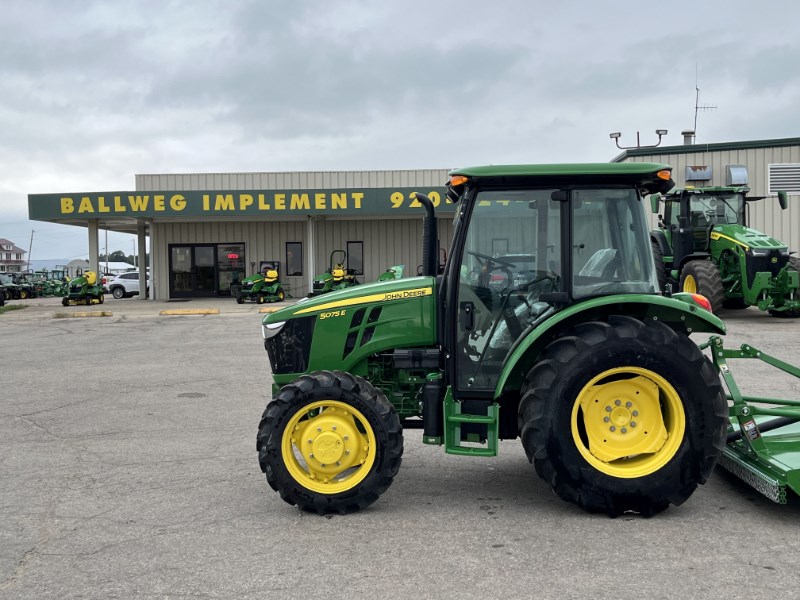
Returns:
(783, 200)
(654, 199)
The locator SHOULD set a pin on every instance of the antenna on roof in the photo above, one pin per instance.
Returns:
(697, 106)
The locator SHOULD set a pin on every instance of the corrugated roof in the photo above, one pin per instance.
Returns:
(695, 148)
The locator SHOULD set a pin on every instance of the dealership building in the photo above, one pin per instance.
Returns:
(206, 231)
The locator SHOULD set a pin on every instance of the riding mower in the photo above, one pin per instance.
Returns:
(84, 289)
(261, 288)
(337, 277)
(565, 341)
(395, 272)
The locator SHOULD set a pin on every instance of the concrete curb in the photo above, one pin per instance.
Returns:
(94, 313)
(190, 311)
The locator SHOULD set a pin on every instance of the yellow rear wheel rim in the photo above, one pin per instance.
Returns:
(328, 447)
(628, 422)
(690, 284)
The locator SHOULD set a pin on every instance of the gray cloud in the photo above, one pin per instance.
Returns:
(93, 92)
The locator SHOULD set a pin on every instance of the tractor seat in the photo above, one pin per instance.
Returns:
(271, 276)
(338, 273)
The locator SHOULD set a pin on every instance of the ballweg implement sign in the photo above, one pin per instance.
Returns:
(368, 201)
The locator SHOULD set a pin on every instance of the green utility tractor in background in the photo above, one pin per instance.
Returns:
(11, 290)
(84, 289)
(337, 277)
(564, 341)
(261, 288)
(703, 244)
(392, 273)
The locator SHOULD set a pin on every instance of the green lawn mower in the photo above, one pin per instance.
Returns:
(84, 289)
(337, 277)
(261, 288)
(564, 341)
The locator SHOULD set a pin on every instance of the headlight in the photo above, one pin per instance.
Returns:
(784, 251)
(271, 329)
(759, 251)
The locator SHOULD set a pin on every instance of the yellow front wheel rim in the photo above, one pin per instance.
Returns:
(628, 422)
(690, 284)
(328, 447)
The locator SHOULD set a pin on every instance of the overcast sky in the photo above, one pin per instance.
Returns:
(92, 93)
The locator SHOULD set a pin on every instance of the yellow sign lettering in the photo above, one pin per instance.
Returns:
(280, 201)
(224, 202)
(177, 202)
(319, 201)
(245, 200)
(262, 203)
(138, 203)
(338, 201)
(300, 202)
(67, 205)
(85, 205)
(158, 202)
(118, 207)
(357, 198)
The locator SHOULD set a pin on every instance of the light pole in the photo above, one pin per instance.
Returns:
(616, 135)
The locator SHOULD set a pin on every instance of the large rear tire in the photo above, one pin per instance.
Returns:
(702, 277)
(623, 416)
(330, 443)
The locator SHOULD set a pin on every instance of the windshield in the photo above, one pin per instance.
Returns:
(718, 209)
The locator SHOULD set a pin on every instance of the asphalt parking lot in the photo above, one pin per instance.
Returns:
(129, 470)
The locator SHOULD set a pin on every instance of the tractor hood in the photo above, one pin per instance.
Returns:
(746, 237)
(369, 293)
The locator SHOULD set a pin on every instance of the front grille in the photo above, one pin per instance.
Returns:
(289, 350)
(761, 264)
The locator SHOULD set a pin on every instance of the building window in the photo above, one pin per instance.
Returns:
(784, 177)
(294, 258)
(355, 257)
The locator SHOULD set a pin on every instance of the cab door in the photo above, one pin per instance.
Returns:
(510, 257)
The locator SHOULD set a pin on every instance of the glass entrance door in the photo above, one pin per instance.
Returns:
(192, 271)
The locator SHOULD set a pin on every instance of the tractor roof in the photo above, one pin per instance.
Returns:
(652, 176)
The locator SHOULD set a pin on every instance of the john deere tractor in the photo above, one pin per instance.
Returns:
(84, 289)
(261, 288)
(564, 341)
(337, 277)
(703, 244)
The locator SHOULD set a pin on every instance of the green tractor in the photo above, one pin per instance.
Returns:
(11, 290)
(337, 277)
(564, 341)
(84, 289)
(261, 288)
(392, 273)
(703, 244)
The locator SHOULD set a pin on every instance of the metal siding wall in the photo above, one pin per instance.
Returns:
(387, 242)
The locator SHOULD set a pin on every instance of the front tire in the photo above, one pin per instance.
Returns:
(702, 277)
(623, 416)
(330, 443)
(118, 293)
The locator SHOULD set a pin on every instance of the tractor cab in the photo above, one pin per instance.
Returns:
(523, 254)
(691, 215)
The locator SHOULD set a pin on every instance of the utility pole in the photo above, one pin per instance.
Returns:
(30, 247)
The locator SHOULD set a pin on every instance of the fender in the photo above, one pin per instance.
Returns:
(660, 238)
(680, 309)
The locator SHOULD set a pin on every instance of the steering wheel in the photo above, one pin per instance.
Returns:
(488, 259)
